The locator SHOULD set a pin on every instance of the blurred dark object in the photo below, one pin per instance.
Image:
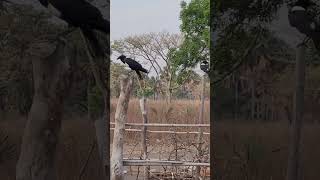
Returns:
(305, 23)
(204, 66)
(7, 150)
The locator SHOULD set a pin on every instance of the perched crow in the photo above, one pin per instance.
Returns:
(134, 65)
(80, 13)
(303, 22)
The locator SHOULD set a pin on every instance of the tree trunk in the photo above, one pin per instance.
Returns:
(294, 158)
(120, 120)
(51, 84)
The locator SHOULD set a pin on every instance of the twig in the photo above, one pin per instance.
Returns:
(87, 160)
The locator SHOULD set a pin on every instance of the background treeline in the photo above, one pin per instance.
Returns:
(27, 32)
(258, 63)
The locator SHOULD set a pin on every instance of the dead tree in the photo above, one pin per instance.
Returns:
(51, 84)
(294, 159)
(120, 120)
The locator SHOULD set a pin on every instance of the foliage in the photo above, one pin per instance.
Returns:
(196, 30)
(239, 26)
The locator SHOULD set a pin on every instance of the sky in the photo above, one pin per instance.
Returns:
(142, 16)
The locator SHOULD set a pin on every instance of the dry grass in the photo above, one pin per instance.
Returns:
(77, 135)
(250, 151)
(75, 140)
(180, 111)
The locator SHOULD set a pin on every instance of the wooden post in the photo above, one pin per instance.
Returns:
(143, 109)
(120, 120)
(253, 99)
(99, 68)
(236, 96)
(200, 137)
(144, 135)
(52, 76)
(294, 158)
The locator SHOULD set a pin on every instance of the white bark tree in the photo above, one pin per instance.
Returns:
(120, 120)
(51, 84)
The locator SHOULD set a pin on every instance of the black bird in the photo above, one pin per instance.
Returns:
(134, 65)
(304, 22)
(81, 14)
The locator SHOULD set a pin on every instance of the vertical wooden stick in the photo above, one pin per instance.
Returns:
(101, 123)
(144, 135)
(200, 136)
(294, 165)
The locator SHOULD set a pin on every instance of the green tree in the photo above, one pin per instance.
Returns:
(195, 27)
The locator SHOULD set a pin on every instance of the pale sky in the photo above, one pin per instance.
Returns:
(142, 16)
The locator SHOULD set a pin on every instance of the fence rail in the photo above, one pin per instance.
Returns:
(154, 162)
(165, 125)
(166, 132)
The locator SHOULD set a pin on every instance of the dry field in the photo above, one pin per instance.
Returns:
(77, 135)
(244, 151)
(258, 151)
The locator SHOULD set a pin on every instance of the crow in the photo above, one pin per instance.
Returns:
(303, 22)
(134, 65)
(81, 14)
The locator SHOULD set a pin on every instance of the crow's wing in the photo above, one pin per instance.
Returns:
(134, 65)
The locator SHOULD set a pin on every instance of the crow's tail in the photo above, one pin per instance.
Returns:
(90, 35)
(144, 70)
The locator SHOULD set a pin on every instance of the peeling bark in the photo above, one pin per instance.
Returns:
(52, 77)
(120, 120)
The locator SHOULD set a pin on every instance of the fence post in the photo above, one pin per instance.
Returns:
(144, 135)
(200, 136)
(294, 159)
(118, 136)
